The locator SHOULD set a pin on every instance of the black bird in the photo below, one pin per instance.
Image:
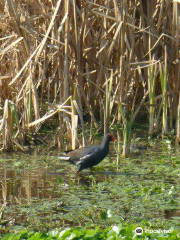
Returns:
(87, 157)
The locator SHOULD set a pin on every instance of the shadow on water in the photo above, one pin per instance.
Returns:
(39, 190)
(168, 214)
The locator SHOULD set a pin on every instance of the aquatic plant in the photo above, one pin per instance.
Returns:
(116, 232)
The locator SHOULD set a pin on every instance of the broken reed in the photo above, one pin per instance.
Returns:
(100, 53)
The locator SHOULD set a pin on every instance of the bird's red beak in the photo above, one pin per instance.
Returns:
(112, 137)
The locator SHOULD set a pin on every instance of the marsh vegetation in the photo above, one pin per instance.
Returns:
(103, 63)
(41, 193)
(71, 71)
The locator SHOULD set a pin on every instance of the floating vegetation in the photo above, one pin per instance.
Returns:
(40, 192)
(116, 232)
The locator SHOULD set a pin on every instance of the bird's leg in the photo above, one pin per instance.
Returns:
(79, 169)
(91, 169)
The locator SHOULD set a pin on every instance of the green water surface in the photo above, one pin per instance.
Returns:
(38, 191)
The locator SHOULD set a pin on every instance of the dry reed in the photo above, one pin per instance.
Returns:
(101, 53)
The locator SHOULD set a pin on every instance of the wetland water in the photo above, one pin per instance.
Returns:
(43, 192)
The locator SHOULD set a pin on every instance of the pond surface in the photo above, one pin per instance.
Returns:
(43, 192)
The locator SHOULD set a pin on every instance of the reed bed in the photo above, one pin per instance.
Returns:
(116, 60)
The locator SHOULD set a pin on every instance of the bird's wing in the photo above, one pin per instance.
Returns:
(81, 152)
(87, 158)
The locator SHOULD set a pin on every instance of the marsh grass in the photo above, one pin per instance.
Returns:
(100, 53)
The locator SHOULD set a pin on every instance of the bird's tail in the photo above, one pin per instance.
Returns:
(64, 157)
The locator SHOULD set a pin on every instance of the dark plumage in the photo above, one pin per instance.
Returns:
(88, 157)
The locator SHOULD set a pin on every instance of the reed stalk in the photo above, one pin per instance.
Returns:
(178, 122)
(10, 122)
(7, 127)
(66, 54)
(118, 147)
(99, 52)
(151, 88)
(29, 108)
(127, 126)
(82, 123)
(164, 80)
(109, 83)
